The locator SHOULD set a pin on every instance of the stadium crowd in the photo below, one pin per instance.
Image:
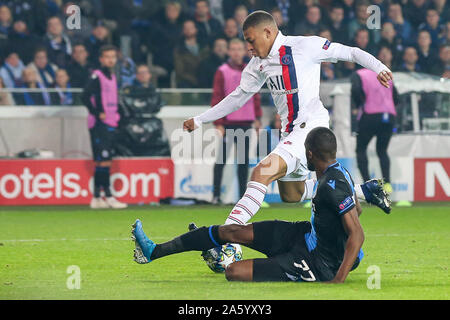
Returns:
(185, 41)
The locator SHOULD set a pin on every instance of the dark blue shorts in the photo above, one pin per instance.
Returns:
(103, 139)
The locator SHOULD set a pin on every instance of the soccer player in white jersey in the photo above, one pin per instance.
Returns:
(290, 66)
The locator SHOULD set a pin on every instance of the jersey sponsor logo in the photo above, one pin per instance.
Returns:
(235, 211)
(326, 45)
(332, 184)
(288, 142)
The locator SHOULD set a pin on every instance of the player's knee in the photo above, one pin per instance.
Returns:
(232, 233)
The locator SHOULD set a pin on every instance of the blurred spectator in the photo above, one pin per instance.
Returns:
(208, 28)
(360, 22)
(240, 13)
(45, 71)
(77, 35)
(34, 98)
(12, 70)
(327, 69)
(166, 35)
(217, 11)
(226, 80)
(6, 98)
(337, 25)
(59, 47)
(345, 69)
(143, 77)
(361, 41)
(349, 9)
(433, 26)
(402, 27)
(253, 5)
(6, 20)
(79, 69)
(62, 97)
(415, 11)
(390, 39)
(441, 67)
(22, 41)
(98, 38)
(446, 38)
(230, 29)
(34, 12)
(208, 67)
(5, 27)
(311, 25)
(410, 58)
(188, 55)
(427, 56)
(125, 70)
(141, 97)
(281, 23)
(443, 9)
(386, 56)
(286, 8)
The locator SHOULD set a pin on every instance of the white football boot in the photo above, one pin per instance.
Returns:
(115, 204)
(98, 203)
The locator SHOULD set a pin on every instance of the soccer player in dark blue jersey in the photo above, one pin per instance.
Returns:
(326, 248)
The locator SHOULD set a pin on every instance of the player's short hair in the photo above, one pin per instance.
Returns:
(258, 17)
(105, 48)
(322, 142)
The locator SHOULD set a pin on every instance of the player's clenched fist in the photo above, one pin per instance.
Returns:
(384, 77)
(189, 125)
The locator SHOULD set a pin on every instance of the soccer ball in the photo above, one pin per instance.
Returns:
(219, 258)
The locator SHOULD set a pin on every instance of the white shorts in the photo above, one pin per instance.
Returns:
(291, 149)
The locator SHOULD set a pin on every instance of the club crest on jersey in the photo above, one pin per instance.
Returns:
(326, 45)
(286, 59)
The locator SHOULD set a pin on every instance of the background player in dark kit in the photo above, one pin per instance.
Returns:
(325, 249)
(100, 96)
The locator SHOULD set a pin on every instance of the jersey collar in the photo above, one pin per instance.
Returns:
(279, 40)
(332, 165)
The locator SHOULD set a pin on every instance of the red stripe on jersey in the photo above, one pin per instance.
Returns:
(288, 87)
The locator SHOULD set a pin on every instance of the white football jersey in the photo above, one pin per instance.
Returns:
(292, 74)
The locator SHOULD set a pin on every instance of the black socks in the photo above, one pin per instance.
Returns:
(101, 180)
(200, 239)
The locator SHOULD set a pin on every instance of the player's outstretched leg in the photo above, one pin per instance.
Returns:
(144, 246)
(200, 239)
(271, 168)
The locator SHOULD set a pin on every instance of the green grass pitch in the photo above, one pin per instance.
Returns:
(37, 245)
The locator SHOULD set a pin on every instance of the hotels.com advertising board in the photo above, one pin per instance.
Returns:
(62, 182)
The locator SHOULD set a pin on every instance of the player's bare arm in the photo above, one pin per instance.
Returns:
(353, 228)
